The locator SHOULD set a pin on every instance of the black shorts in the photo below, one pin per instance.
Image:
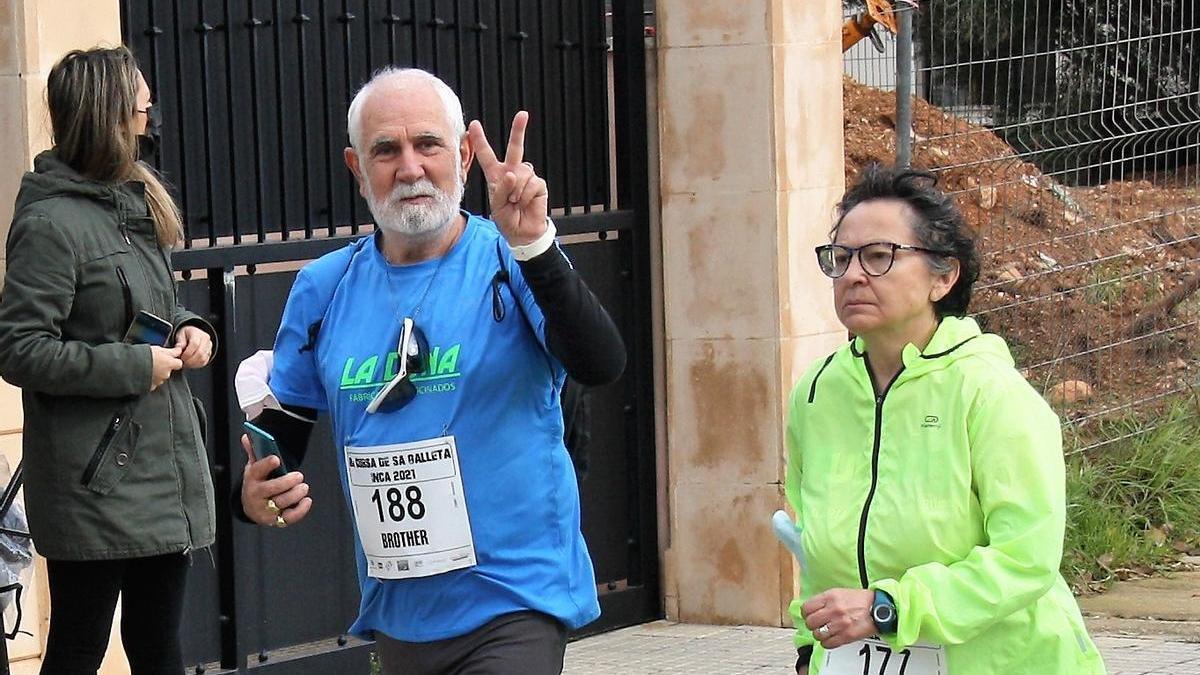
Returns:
(521, 643)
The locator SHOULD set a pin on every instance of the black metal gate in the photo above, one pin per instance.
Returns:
(254, 96)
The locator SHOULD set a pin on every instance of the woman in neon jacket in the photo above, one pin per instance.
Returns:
(926, 475)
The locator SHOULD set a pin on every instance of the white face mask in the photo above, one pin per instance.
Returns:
(416, 221)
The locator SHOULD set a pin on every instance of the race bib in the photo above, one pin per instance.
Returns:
(410, 509)
(875, 657)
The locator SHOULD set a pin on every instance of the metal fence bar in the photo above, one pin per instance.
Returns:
(280, 136)
(301, 21)
(222, 296)
(254, 24)
(1112, 345)
(327, 123)
(904, 93)
(234, 203)
(180, 109)
(584, 131)
(204, 30)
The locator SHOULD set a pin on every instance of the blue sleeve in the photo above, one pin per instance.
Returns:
(295, 379)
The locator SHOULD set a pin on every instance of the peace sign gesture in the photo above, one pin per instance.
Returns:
(516, 194)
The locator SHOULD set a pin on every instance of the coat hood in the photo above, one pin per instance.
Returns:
(51, 177)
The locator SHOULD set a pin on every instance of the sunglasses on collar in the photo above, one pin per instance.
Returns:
(413, 350)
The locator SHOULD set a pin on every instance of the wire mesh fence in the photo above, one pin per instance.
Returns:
(1069, 133)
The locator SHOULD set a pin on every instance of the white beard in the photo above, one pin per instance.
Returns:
(416, 221)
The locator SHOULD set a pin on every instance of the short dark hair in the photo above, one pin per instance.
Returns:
(938, 225)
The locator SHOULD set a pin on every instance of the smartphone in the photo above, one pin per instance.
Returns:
(149, 329)
(263, 444)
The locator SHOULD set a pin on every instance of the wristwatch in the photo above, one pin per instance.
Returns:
(883, 613)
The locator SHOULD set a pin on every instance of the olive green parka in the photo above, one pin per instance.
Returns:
(112, 469)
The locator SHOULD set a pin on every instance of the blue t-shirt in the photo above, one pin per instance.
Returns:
(492, 385)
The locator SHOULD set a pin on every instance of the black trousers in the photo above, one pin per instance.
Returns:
(522, 643)
(83, 597)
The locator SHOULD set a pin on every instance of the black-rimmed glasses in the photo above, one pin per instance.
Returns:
(876, 257)
(413, 350)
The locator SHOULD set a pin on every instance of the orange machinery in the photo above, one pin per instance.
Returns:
(862, 25)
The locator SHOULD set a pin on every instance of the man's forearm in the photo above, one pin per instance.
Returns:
(579, 332)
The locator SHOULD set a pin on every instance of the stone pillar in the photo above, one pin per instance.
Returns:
(34, 34)
(750, 112)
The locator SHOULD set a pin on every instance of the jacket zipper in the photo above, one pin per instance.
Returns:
(114, 426)
(127, 294)
(178, 471)
(862, 522)
(170, 399)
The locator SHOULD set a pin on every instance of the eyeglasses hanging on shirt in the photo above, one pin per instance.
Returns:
(413, 351)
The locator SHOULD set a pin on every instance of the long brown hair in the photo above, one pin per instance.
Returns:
(92, 95)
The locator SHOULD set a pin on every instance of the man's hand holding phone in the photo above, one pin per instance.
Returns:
(276, 502)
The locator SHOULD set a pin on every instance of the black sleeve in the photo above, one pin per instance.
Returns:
(579, 332)
(803, 656)
(290, 433)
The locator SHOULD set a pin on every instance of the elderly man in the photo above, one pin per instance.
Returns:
(439, 346)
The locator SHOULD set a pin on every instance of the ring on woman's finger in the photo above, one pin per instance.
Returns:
(823, 631)
(272, 507)
(280, 522)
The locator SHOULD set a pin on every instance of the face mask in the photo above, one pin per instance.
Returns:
(148, 142)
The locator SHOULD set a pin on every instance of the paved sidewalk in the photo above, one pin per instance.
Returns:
(665, 647)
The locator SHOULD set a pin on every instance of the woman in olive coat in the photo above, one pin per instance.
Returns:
(117, 482)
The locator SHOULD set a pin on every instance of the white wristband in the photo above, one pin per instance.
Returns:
(537, 247)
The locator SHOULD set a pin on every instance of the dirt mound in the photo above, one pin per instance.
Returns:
(1088, 284)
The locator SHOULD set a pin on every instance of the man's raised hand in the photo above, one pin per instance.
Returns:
(517, 195)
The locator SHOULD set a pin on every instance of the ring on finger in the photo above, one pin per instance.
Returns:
(823, 631)
(273, 507)
(280, 522)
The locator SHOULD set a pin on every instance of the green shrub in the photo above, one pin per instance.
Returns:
(1133, 504)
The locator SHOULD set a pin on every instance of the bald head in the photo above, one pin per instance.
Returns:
(397, 81)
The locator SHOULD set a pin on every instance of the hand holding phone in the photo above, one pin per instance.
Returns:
(279, 499)
(263, 444)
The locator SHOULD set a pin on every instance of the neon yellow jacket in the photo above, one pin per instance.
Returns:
(947, 491)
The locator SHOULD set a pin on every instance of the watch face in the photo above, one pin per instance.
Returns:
(883, 613)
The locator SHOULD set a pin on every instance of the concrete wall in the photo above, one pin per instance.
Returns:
(750, 124)
(34, 34)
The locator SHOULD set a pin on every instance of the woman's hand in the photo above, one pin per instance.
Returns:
(840, 616)
(163, 362)
(802, 670)
(195, 346)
